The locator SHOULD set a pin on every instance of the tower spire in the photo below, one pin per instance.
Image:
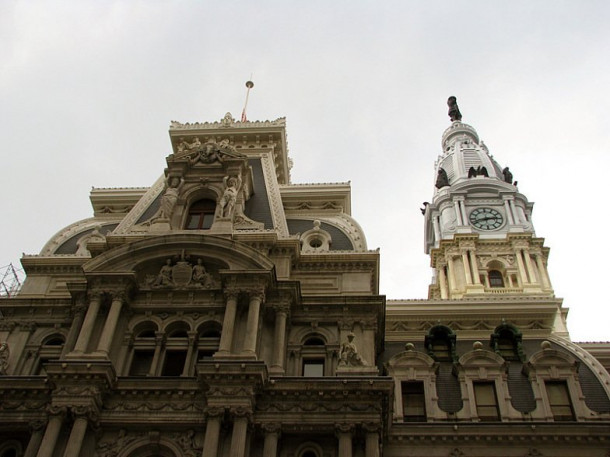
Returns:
(249, 85)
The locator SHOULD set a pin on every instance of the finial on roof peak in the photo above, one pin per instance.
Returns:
(454, 111)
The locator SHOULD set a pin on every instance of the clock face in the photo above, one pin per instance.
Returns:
(486, 219)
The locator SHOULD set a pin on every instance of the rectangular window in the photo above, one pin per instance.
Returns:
(559, 400)
(486, 401)
(141, 363)
(174, 363)
(313, 368)
(413, 401)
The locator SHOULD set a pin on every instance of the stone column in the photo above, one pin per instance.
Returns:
(49, 440)
(372, 440)
(437, 230)
(111, 323)
(451, 274)
(212, 432)
(522, 272)
(228, 324)
(543, 272)
(272, 435)
(509, 213)
(442, 281)
(279, 340)
(514, 212)
(529, 267)
(240, 430)
(159, 342)
(193, 336)
(37, 428)
(466, 267)
(475, 267)
(75, 328)
(256, 299)
(458, 212)
(344, 434)
(77, 435)
(87, 328)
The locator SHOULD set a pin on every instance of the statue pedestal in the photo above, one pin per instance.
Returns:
(222, 225)
(357, 371)
(160, 225)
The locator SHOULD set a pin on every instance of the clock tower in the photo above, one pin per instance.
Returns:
(479, 230)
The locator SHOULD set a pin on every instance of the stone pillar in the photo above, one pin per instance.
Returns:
(159, 342)
(75, 328)
(37, 428)
(344, 435)
(514, 212)
(256, 299)
(475, 267)
(111, 323)
(372, 440)
(442, 282)
(240, 430)
(466, 267)
(193, 336)
(451, 274)
(272, 435)
(279, 340)
(437, 231)
(521, 266)
(458, 212)
(228, 324)
(529, 267)
(212, 432)
(543, 272)
(509, 213)
(87, 328)
(77, 435)
(49, 440)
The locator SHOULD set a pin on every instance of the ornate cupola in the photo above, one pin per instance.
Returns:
(478, 215)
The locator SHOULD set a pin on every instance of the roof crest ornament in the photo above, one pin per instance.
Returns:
(226, 121)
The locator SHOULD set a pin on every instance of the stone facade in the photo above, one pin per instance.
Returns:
(226, 312)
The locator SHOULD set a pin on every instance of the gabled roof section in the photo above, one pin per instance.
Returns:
(249, 138)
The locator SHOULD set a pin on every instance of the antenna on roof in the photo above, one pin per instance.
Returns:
(249, 85)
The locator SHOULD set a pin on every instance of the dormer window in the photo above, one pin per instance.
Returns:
(201, 215)
(440, 343)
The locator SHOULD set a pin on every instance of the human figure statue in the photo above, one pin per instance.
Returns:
(226, 205)
(164, 278)
(442, 179)
(200, 276)
(173, 185)
(508, 176)
(349, 353)
(454, 111)
(184, 146)
(4, 355)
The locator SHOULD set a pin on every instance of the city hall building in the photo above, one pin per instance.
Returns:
(227, 312)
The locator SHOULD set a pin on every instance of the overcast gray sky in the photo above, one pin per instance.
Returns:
(88, 88)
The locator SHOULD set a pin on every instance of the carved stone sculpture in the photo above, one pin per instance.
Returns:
(454, 111)
(226, 204)
(164, 278)
(442, 180)
(508, 176)
(200, 276)
(173, 185)
(349, 353)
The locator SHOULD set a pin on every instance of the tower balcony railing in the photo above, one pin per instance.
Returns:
(503, 290)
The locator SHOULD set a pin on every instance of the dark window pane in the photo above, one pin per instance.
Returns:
(174, 363)
(413, 401)
(313, 368)
(141, 363)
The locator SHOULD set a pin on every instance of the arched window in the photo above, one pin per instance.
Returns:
(201, 215)
(506, 341)
(495, 278)
(143, 352)
(440, 344)
(209, 341)
(50, 350)
(176, 350)
(314, 357)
